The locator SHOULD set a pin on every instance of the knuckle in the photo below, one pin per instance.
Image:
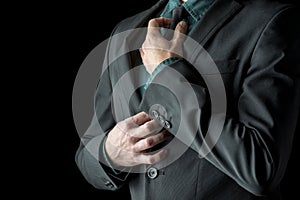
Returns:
(131, 139)
(151, 160)
(135, 123)
(144, 114)
(151, 21)
(126, 126)
(148, 126)
(149, 142)
(133, 149)
(134, 119)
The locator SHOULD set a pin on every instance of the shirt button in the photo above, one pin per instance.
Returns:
(152, 172)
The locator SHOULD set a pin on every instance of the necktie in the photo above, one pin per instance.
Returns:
(178, 14)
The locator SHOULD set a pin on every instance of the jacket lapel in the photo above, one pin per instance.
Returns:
(132, 41)
(216, 16)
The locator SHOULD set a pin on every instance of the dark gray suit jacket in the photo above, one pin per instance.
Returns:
(255, 45)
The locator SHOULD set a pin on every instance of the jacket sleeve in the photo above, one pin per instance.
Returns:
(90, 155)
(255, 144)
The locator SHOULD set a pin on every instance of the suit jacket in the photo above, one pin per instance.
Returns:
(254, 45)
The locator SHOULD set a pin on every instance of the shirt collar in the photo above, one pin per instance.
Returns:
(196, 8)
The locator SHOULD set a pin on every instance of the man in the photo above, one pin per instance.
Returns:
(164, 122)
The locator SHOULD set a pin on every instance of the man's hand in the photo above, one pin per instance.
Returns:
(156, 48)
(128, 141)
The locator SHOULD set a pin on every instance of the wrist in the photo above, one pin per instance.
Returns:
(107, 150)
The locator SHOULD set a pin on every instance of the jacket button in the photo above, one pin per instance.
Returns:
(154, 114)
(167, 124)
(161, 120)
(152, 172)
(109, 184)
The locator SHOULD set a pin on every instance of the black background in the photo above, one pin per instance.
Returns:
(59, 37)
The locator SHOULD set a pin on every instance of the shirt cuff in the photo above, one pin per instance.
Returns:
(158, 69)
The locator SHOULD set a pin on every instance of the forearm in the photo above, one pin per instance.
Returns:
(96, 169)
(89, 156)
(90, 167)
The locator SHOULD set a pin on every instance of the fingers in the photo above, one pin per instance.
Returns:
(133, 122)
(155, 24)
(180, 29)
(151, 159)
(140, 118)
(126, 143)
(139, 125)
(151, 141)
(159, 22)
(146, 129)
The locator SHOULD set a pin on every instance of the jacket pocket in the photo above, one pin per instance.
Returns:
(226, 66)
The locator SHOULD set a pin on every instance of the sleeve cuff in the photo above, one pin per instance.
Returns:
(121, 174)
(158, 69)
